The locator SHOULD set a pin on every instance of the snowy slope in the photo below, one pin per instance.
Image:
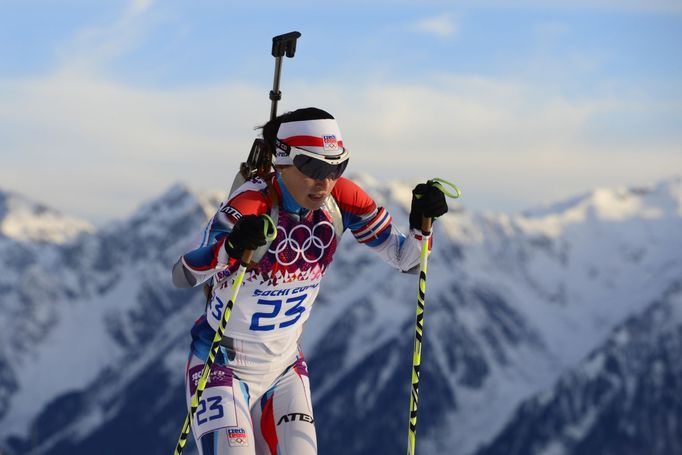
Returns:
(30, 236)
(625, 398)
(513, 303)
(87, 306)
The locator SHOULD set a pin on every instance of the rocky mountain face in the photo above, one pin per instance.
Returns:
(554, 331)
(625, 398)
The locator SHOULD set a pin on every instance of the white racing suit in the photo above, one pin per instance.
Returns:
(257, 400)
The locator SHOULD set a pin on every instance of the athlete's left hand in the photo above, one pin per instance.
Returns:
(427, 202)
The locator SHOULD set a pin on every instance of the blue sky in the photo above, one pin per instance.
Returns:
(103, 105)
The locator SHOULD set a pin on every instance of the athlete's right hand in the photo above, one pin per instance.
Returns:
(248, 233)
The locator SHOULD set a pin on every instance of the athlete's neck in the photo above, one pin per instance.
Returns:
(289, 204)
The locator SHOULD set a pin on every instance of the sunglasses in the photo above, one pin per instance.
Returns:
(316, 166)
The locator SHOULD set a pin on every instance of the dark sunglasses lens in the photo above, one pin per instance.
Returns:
(340, 168)
(318, 169)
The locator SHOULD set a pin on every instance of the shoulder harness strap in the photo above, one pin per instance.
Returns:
(337, 220)
(274, 214)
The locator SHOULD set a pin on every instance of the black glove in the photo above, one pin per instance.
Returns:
(248, 233)
(427, 201)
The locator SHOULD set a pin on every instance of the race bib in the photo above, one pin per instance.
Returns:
(217, 407)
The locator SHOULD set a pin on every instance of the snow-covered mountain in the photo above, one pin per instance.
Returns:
(26, 221)
(519, 310)
(625, 398)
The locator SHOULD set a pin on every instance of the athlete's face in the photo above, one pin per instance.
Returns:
(309, 193)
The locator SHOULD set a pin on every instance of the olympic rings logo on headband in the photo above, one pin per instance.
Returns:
(313, 238)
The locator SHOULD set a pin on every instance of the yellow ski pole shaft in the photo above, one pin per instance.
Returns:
(215, 346)
(419, 328)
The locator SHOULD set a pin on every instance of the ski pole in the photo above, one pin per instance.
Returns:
(419, 330)
(205, 373)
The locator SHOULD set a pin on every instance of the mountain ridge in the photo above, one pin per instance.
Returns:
(24, 220)
(512, 302)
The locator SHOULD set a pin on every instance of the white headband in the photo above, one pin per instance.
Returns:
(322, 137)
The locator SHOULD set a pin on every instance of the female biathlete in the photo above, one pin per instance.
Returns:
(257, 400)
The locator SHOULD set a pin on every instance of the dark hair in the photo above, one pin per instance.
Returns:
(270, 129)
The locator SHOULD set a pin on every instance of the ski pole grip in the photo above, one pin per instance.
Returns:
(246, 256)
(269, 232)
(426, 225)
(442, 185)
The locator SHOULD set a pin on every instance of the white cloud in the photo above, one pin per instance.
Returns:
(81, 142)
(651, 6)
(137, 7)
(656, 6)
(97, 148)
(442, 26)
(91, 49)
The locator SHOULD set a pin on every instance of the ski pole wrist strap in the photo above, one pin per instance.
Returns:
(441, 184)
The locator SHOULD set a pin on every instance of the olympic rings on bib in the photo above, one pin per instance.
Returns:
(314, 239)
